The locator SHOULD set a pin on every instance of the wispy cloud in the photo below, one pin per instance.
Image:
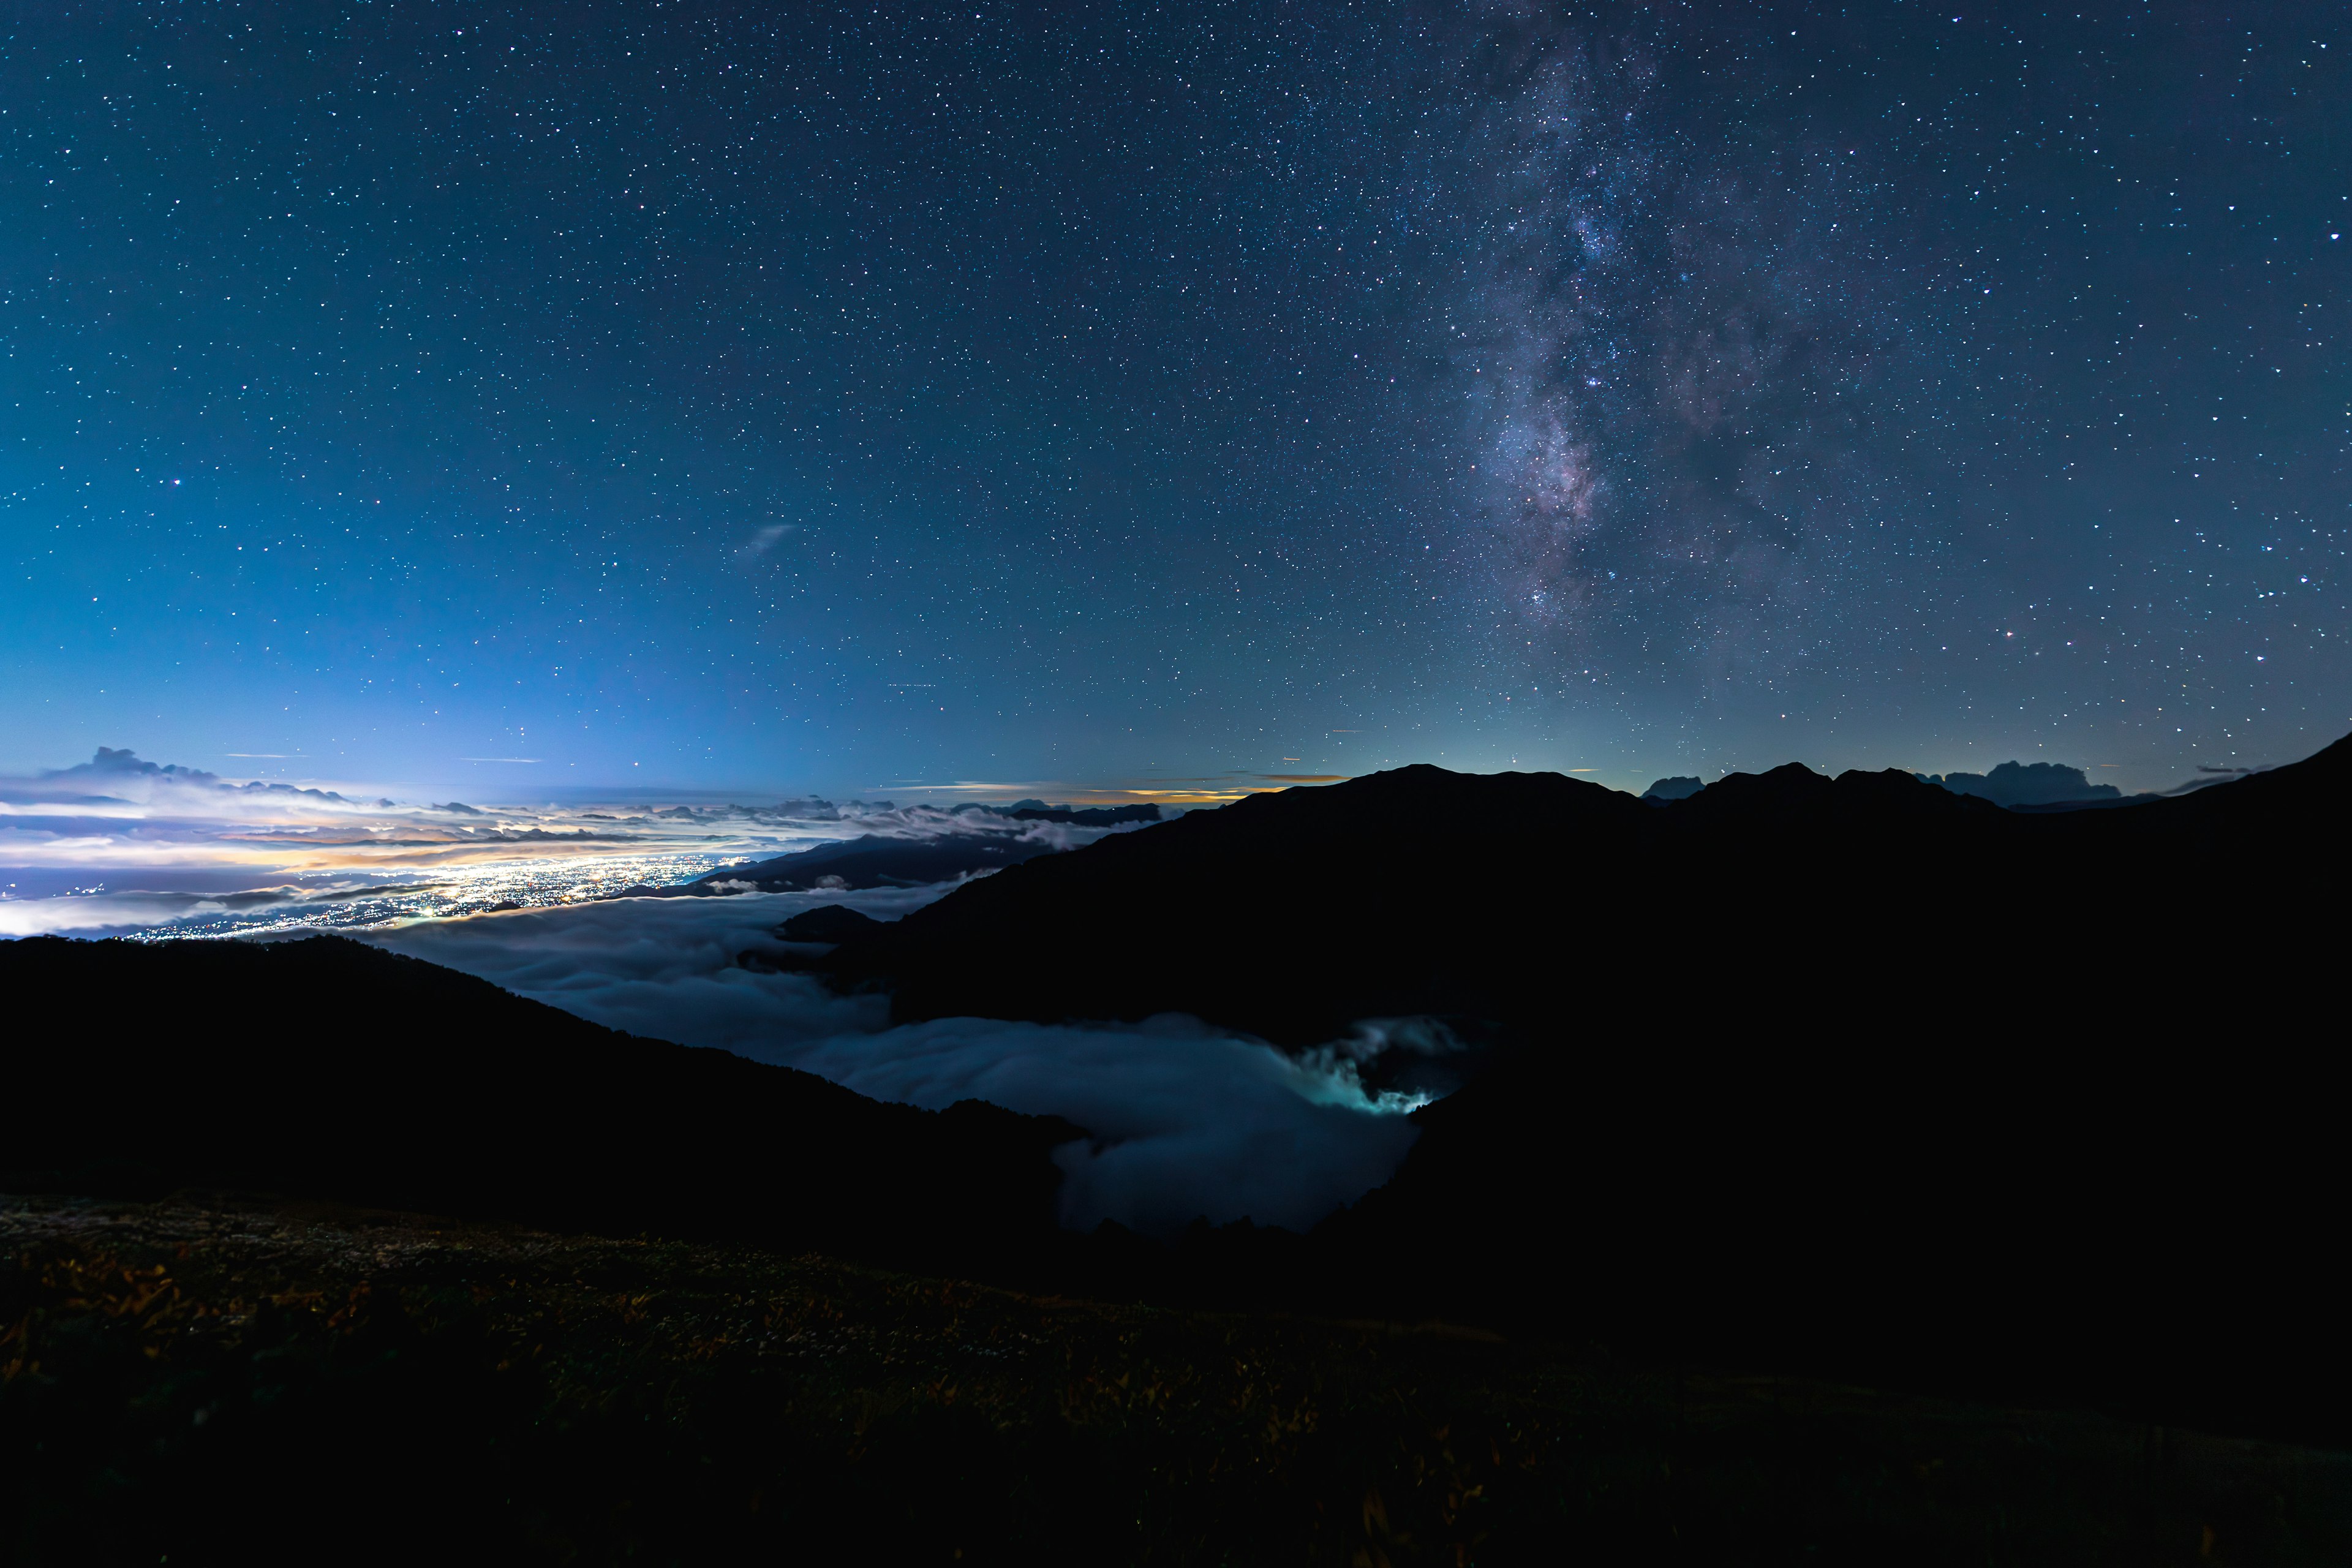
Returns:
(765, 539)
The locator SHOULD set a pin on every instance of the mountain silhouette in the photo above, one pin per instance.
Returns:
(827, 922)
(878, 860)
(2029, 784)
(870, 861)
(1079, 815)
(1522, 900)
(1849, 1073)
(327, 1068)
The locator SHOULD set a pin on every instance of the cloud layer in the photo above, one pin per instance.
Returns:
(137, 841)
(1186, 1121)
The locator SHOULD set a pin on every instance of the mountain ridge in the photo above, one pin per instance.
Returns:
(325, 1068)
(1202, 915)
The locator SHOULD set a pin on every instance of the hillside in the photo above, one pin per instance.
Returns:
(1855, 1074)
(327, 1068)
(199, 1384)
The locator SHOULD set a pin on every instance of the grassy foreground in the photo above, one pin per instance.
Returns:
(189, 1382)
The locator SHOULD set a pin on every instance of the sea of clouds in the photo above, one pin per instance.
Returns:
(121, 846)
(1185, 1120)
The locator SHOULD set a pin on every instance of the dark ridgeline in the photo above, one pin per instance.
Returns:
(1850, 1073)
(1851, 1076)
(870, 861)
(2032, 785)
(1870, 902)
(827, 923)
(327, 1068)
(1081, 816)
(878, 860)
(1673, 789)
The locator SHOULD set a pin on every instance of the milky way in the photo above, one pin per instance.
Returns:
(500, 397)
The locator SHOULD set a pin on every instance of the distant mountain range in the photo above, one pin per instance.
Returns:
(2021, 786)
(2029, 784)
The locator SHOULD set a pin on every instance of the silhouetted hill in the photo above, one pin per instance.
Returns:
(1290, 915)
(1524, 901)
(327, 1068)
(827, 922)
(2029, 784)
(875, 861)
(1855, 1074)
(1083, 816)
(870, 861)
(2140, 1225)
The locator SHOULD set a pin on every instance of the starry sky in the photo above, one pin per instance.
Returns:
(531, 398)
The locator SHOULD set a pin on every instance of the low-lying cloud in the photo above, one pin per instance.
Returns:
(661, 967)
(1185, 1121)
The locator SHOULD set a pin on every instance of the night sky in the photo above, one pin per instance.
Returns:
(1097, 397)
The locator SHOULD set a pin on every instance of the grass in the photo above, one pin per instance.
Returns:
(194, 1382)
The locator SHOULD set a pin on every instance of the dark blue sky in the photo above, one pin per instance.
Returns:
(791, 397)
